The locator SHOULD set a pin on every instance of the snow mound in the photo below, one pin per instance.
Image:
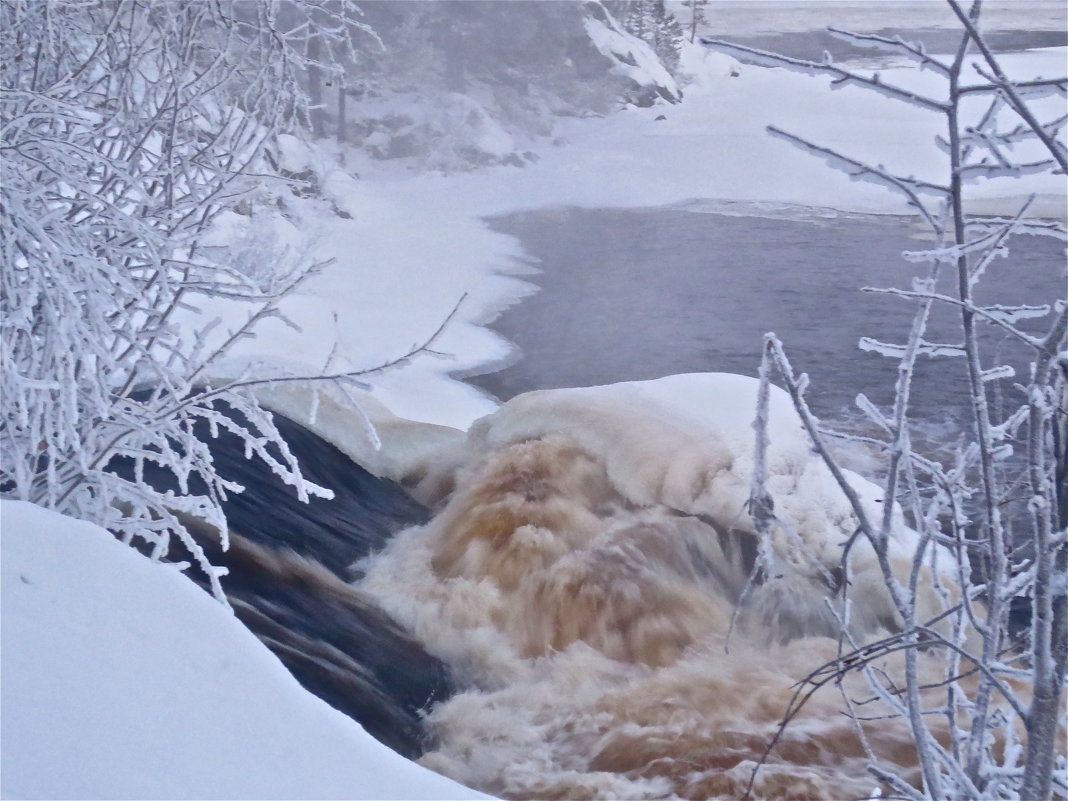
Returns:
(122, 679)
(700, 65)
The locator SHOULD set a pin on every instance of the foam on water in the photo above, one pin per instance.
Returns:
(582, 580)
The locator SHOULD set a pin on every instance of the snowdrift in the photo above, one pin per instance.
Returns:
(122, 679)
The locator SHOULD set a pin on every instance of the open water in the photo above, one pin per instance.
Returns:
(632, 294)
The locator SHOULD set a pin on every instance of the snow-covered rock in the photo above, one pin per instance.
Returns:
(632, 59)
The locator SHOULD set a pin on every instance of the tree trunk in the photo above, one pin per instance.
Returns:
(315, 88)
(341, 121)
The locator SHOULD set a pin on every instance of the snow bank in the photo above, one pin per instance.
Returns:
(122, 679)
(396, 272)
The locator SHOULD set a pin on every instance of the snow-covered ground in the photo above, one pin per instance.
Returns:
(122, 679)
(416, 242)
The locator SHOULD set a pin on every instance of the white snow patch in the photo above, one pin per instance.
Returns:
(122, 679)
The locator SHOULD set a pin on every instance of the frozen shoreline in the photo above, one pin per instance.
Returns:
(417, 242)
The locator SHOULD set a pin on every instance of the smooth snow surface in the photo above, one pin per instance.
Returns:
(122, 679)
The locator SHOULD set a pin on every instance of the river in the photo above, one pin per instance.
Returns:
(630, 294)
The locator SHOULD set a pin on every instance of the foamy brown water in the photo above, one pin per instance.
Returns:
(589, 617)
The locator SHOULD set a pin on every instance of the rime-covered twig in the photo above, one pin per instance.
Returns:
(1034, 89)
(858, 170)
(426, 346)
(990, 314)
(980, 492)
(1019, 133)
(1007, 87)
(127, 135)
(842, 77)
(1050, 615)
(914, 50)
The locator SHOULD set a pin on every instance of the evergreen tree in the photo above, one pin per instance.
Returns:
(667, 36)
(698, 15)
(651, 22)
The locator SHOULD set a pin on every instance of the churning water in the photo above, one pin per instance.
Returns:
(587, 612)
(588, 572)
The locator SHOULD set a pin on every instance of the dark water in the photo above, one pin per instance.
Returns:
(637, 294)
(289, 567)
(812, 44)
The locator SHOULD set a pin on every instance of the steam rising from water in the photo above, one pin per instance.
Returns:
(583, 577)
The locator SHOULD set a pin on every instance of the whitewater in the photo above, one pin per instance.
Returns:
(591, 576)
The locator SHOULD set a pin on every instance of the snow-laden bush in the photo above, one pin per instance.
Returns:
(128, 129)
(1006, 514)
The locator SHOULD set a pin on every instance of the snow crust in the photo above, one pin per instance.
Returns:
(122, 679)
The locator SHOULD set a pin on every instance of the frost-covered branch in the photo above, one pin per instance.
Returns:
(1001, 500)
(1030, 89)
(842, 77)
(914, 50)
(858, 170)
(1007, 87)
(126, 136)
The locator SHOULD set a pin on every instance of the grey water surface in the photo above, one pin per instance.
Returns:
(631, 294)
(639, 293)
